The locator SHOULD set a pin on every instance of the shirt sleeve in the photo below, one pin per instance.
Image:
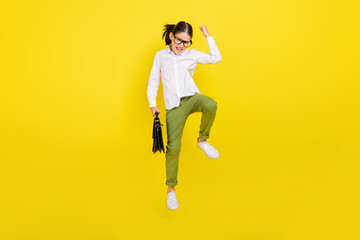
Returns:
(208, 58)
(154, 81)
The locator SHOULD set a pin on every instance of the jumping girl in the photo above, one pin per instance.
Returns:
(177, 64)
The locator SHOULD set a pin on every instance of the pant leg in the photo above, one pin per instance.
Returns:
(205, 104)
(175, 122)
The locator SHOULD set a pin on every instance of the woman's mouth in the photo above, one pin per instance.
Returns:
(179, 50)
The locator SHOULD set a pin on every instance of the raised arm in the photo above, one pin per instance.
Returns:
(207, 58)
(154, 81)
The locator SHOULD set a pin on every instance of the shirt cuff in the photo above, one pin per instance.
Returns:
(210, 39)
(152, 104)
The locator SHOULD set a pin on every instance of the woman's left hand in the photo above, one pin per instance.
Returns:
(203, 28)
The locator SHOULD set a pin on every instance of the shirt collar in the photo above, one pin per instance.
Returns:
(171, 52)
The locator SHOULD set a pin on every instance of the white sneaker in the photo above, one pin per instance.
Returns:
(171, 201)
(209, 150)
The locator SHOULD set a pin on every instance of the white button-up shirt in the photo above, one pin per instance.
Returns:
(177, 71)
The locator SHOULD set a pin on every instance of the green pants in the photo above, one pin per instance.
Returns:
(175, 122)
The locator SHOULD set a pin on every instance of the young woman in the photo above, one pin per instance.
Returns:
(176, 65)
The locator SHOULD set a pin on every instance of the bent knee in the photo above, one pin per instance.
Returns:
(211, 105)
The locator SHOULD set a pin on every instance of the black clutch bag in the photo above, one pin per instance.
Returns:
(158, 144)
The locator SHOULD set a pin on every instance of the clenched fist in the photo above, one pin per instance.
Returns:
(204, 30)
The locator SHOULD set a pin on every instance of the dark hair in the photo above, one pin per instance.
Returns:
(181, 26)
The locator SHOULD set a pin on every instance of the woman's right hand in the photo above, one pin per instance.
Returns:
(153, 110)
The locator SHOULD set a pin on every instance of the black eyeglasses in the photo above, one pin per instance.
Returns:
(179, 41)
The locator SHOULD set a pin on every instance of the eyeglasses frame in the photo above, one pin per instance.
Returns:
(182, 41)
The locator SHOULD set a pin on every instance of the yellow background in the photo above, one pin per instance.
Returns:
(76, 160)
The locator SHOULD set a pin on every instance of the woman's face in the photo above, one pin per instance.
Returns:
(179, 48)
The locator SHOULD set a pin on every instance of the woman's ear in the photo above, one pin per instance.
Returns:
(171, 36)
